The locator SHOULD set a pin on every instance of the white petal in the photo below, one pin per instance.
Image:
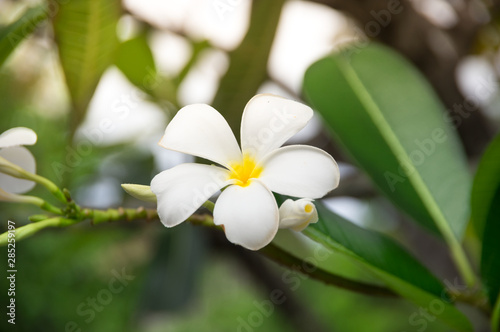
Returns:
(23, 158)
(298, 214)
(182, 189)
(300, 171)
(17, 136)
(201, 131)
(249, 215)
(269, 121)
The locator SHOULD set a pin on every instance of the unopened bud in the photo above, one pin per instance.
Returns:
(140, 192)
(298, 214)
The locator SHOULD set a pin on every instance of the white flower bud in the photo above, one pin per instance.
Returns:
(298, 214)
(140, 192)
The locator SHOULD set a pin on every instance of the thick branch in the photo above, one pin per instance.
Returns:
(283, 258)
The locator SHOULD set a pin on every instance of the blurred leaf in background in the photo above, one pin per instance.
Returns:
(85, 32)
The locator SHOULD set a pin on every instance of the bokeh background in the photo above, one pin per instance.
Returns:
(222, 52)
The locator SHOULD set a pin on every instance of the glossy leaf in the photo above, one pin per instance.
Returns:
(392, 125)
(302, 247)
(399, 270)
(85, 32)
(485, 209)
(16, 32)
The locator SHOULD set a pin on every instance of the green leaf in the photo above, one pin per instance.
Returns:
(135, 59)
(13, 34)
(300, 246)
(495, 317)
(392, 125)
(371, 247)
(485, 210)
(85, 32)
(399, 270)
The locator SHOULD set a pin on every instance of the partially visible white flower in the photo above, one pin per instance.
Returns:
(11, 149)
(10, 197)
(298, 214)
(246, 208)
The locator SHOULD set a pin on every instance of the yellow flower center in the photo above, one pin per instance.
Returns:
(308, 208)
(245, 170)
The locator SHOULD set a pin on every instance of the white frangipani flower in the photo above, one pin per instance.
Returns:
(246, 207)
(298, 214)
(11, 149)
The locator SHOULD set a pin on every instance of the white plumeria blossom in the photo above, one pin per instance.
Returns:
(298, 214)
(11, 149)
(246, 208)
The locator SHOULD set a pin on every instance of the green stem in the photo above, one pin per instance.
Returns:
(98, 217)
(95, 216)
(495, 317)
(51, 186)
(461, 261)
(14, 170)
(30, 229)
(15, 198)
(120, 214)
(51, 208)
(38, 217)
